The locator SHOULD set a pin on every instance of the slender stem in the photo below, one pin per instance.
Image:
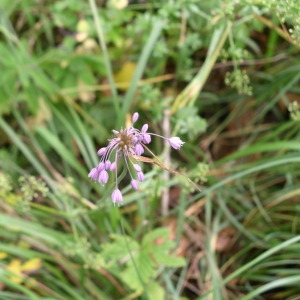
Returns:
(116, 170)
(232, 46)
(105, 55)
(129, 97)
(126, 162)
(163, 137)
(132, 259)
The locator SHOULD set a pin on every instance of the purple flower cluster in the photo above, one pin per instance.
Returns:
(124, 145)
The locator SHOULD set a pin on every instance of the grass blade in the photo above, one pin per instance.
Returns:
(155, 33)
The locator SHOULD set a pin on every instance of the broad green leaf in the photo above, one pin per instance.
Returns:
(155, 291)
(117, 248)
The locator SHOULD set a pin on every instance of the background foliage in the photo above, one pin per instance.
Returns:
(224, 75)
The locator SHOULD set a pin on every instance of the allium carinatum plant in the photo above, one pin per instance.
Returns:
(126, 144)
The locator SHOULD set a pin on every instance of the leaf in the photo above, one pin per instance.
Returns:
(154, 252)
(118, 249)
(34, 230)
(33, 264)
(123, 77)
(3, 255)
(145, 266)
(170, 261)
(145, 270)
(58, 145)
(159, 246)
(43, 114)
(159, 233)
(155, 291)
(15, 267)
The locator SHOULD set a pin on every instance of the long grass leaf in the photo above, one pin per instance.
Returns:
(261, 257)
(234, 220)
(85, 141)
(266, 165)
(25, 150)
(60, 148)
(155, 33)
(105, 54)
(275, 284)
(263, 147)
(33, 229)
(4, 277)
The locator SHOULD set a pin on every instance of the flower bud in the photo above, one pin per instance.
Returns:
(135, 117)
(134, 184)
(175, 142)
(116, 196)
(101, 151)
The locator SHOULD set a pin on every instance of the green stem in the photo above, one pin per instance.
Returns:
(155, 33)
(133, 261)
(105, 55)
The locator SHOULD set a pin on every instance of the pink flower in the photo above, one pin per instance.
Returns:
(107, 165)
(101, 151)
(134, 184)
(144, 128)
(146, 139)
(138, 149)
(101, 166)
(116, 196)
(175, 142)
(113, 166)
(103, 177)
(137, 167)
(135, 117)
(93, 174)
(140, 176)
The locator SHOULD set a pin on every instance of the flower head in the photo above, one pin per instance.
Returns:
(126, 144)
